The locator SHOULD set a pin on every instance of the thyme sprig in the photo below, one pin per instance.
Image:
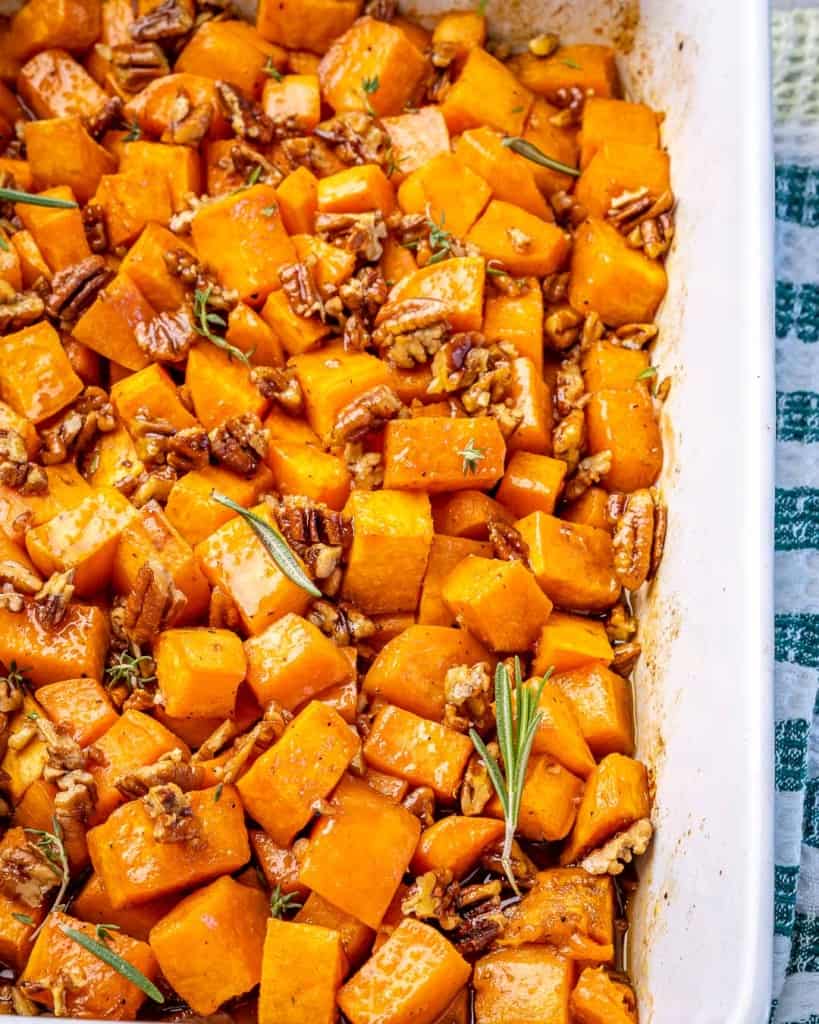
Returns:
(274, 544)
(126, 668)
(471, 456)
(119, 963)
(537, 156)
(368, 87)
(517, 716)
(51, 847)
(15, 677)
(205, 320)
(16, 195)
(271, 69)
(282, 903)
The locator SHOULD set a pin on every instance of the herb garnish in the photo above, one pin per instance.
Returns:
(15, 678)
(646, 374)
(253, 176)
(120, 964)
(204, 319)
(471, 457)
(104, 931)
(271, 69)
(274, 544)
(125, 668)
(23, 918)
(134, 133)
(517, 723)
(51, 847)
(370, 86)
(217, 794)
(537, 156)
(282, 903)
(4, 245)
(440, 240)
(15, 195)
(571, 64)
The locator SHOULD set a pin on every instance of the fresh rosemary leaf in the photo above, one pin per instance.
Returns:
(204, 318)
(371, 85)
(572, 64)
(23, 918)
(4, 245)
(120, 964)
(104, 931)
(646, 374)
(282, 903)
(271, 69)
(274, 544)
(134, 133)
(537, 156)
(14, 195)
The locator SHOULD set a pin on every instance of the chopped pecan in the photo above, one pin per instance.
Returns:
(222, 611)
(569, 386)
(15, 469)
(589, 472)
(15, 1003)
(19, 309)
(153, 486)
(52, 600)
(634, 336)
(26, 875)
(356, 137)
(103, 118)
(247, 119)
(74, 289)
(239, 444)
(421, 802)
(555, 287)
(660, 530)
(654, 236)
(10, 600)
(356, 336)
(568, 212)
(151, 604)
(137, 64)
(477, 932)
(626, 657)
(78, 426)
(432, 896)
(180, 222)
(282, 385)
(611, 857)
(358, 233)
(468, 696)
(634, 538)
(342, 622)
(459, 362)
(382, 10)
(299, 285)
(366, 468)
(369, 411)
(476, 789)
(249, 163)
(561, 328)
(170, 20)
(365, 292)
(571, 101)
(158, 442)
(303, 523)
(507, 542)
(263, 735)
(523, 868)
(167, 337)
(593, 331)
(67, 767)
(171, 767)
(188, 123)
(95, 227)
(312, 153)
(568, 438)
(171, 811)
(409, 331)
(23, 579)
(621, 624)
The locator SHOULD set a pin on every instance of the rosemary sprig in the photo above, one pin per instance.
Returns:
(282, 903)
(52, 848)
(23, 918)
(119, 963)
(471, 456)
(15, 195)
(205, 320)
(537, 156)
(4, 245)
(517, 721)
(646, 374)
(104, 931)
(274, 544)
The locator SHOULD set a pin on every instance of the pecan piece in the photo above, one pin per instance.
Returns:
(222, 611)
(369, 411)
(263, 735)
(52, 600)
(409, 331)
(21, 578)
(19, 309)
(343, 623)
(188, 124)
(170, 768)
(15, 469)
(568, 438)
(365, 292)
(74, 289)
(467, 692)
(589, 472)
(633, 537)
(357, 138)
(303, 522)
(476, 789)
(138, 64)
(167, 337)
(282, 385)
(507, 542)
(612, 857)
(151, 604)
(366, 468)
(95, 227)
(247, 119)
(239, 444)
(299, 285)
(382, 10)
(170, 20)
(312, 153)
(158, 442)
(26, 875)
(78, 426)
(555, 287)
(421, 802)
(249, 164)
(432, 896)
(358, 233)
(569, 386)
(561, 328)
(172, 814)
(625, 658)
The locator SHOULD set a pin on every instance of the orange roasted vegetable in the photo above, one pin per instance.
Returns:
(436, 454)
(598, 998)
(455, 844)
(486, 93)
(92, 904)
(570, 641)
(36, 378)
(61, 152)
(624, 423)
(199, 671)
(81, 706)
(302, 967)
(601, 701)
(306, 24)
(444, 554)
(532, 983)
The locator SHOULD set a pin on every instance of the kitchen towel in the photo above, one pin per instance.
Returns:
(795, 34)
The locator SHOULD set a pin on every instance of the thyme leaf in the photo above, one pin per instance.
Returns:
(134, 133)
(646, 374)
(204, 320)
(537, 156)
(271, 69)
(50, 845)
(119, 963)
(15, 195)
(471, 456)
(4, 245)
(282, 903)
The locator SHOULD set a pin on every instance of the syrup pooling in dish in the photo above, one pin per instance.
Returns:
(329, 447)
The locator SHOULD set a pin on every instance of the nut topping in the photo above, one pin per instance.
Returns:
(167, 337)
(153, 602)
(247, 119)
(168, 21)
(15, 469)
(611, 858)
(409, 331)
(359, 233)
(172, 814)
(368, 412)
(239, 444)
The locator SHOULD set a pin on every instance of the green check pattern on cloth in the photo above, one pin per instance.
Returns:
(796, 148)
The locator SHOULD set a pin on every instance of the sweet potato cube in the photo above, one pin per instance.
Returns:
(279, 864)
(135, 868)
(356, 938)
(468, 514)
(608, 366)
(150, 393)
(298, 201)
(293, 96)
(415, 138)
(509, 175)
(437, 454)
(590, 509)
(616, 796)
(388, 557)
(424, 753)
(361, 818)
(447, 191)
(199, 671)
(289, 429)
(571, 641)
(92, 904)
(486, 93)
(234, 559)
(221, 930)
(74, 648)
(559, 734)
(36, 378)
(292, 661)
(598, 999)
(499, 602)
(557, 142)
(574, 564)
(178, 166)
(81, 706)
(457, 284)
(602, 705)
(191, 508)
(356, 190)
(620, 284)
(146, 267)
(18, 919)
(523, 985)
(587, 66)
(455, 844)
(611, 120)
(409, 671)
(220, 387)
(305, 469)
(619, 167)
(20, 172)
(61, 152)
(624, 422)
(105, 992)
(249, 333)
(444, 555)
(302, 968)
(518, 319)
(232, 51)
(23, 763)
(153, 108)
(293, 332)
(32, 264)
(531, 483)
(131, 201)
(532, 401)
(41, 24)
(457, 33)
(548, 805)
(110, 325)
(521, 242)
(243, 239)
(331, 264)
(411, 979)
(376, 53)
(58, 233)
(306, 24)
(278, 790)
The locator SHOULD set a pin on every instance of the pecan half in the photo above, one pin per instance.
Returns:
(569, 437)
(19, 309)
(343, 623)
(170, 20)
(369, 411)
(633, 537)
(21, 578)
(555, 287)
(303, 522)
(151, 604)
(15, 469)
(299, 285)
(170, 768)
(158, 442)
(507, 542)
(172, 814)
(561, 328)
(421, 802)
(358, 233)
(78, 426)
(571, 101)
(239, 444)
(167, 337)
(477, 789)
(409, 331)
(356, 137)
(52, 600)
(188, 123)
(588, 473)
(74, 289)
(26, 875)
(138, 64)
(263, 735)
(282, 385)
(247, 119)
(634, 336)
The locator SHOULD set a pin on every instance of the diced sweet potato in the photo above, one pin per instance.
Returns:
(109, 326)
(486, 93)
(437, 454)
(532, 402)
(178, 166)
(61, 152)
(456, 283)
(509, 175)
(131, 201)
(278, 792)
(296, 97)
(520, 241)
(548, 805)
(76, 647)
(150, 393)
(611, 120)
(153, 108)
(447, 191)
(608, 366)
(444, 555)
(58, 233)
(618, 167)
(518, 319)
(590, 509)
(523, 985)
(220, 387)
(356, 190)
(306, 24)
(18, 918)
(199, 671)
(92, 904)
(455, 844)
(624, 422)
(356, 938)
(81, 706)
(209, 946)
(279, 864)
(294, 333)
(251, 335)
(559, 733)
(531, 483)
(298, 200)
(40, 24)
(571, 641)
(231, 51)
(415, 138)
(302, 968)
(598, 999)
(586, 66)
(306, 470)
(499, 602)
(36, 378)
(191, 508)
(468, 514)
(602, 704)
(555, 141)
(457, 33)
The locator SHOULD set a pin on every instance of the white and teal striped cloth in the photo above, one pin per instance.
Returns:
(796, 141)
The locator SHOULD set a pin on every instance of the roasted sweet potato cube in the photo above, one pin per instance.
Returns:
(105, 991)
(110, 325)
(456, 33)
(18, 918)
(412, 977)
(289, 429)
(191, 508)
(135, 868)
(590, 509)
(305, 469)
(518, 319)
(521, 242)
(32, 265)
(499, 602)
(620, 284)
(81, 706)
(356, 938)
(456, 283)
(608, 366)
(360, 817)
(199, 671)
(54, 85)
(415, 138)
(611, 120)
(20, 172)
(10, 420)
(306, 24)
(444, 555)
(618, 167)
(510, 176)
(559, 733)
(36, 378)
(378, 54)
(293, 332)
(388, 557)
(624, 423)
(145, 265)
(356, 190)
(61, 152)
(424, 753)
(116, 462)
(234, 559)
(548, 805)
(532, 402)
(220, 387)
(523, 985)
(292, 660)
(302, 968)
(602, 704)
(251, 335)
(557, 142)
(532, 483)
(76, 647)
(232, 51)
(486, 93)
(598, 998)
(40, 24)
(58, 233)
(437, 454)
(298, 201)
(468, 514)
(455, 844)
(587, 66)
(294, 97)
(131, 201)
(571, 641)
(221, 930)
(447, 191)
(178, 166)
(616, 796)
(150, 393)
(92, 904)
(410, 670)
(574, 564)
(278, 792)
(279, 864)
(153, 108)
